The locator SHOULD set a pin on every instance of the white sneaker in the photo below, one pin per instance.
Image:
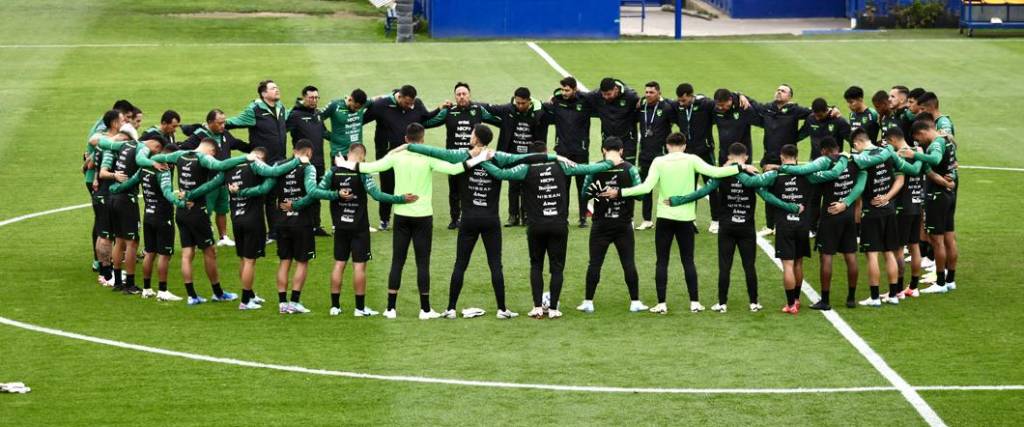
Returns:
(167, 296)
(507, 314)
(713, 227)
(251, 305)
(365, 312)
(373, 230)
(390, 314)
(891, 300)
(586, 307)
(927, 263)
(335, 311)
(811, 234)
(448, 314)
(536, 313)
(472, 312)
(765, 232)
(105, 283)
(637, 306)
(660, 308)
(148, 293)
(756, 307)
(554, 314)
(226, 241)
(298, 308)
(258, 300)
(720, 308)
(869, 302)
(929, 277)
(196, 300)
(428, 315)
(907, 259)
(695, 307)
(951, 286)
(646, 225)
(935, 289)
(284, 308)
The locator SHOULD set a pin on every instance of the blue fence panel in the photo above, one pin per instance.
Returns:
(524, 18)
(856, 8)
(748, 9)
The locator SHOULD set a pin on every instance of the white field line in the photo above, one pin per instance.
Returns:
(551, 61)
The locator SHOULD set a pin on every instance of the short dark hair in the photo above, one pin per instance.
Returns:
(522, 92)
(921, 125)
(461, 84)
(407, 91)
(262, 151)
(791, 93)
(170, 148)
(902, 89)
(212, 115)
(684, 89)
(737, 149)
(880, 97)
(819, 105)
(612, 143)
(123, 106)
(136, 111)
(358, 146)
(915, 92)
(309, 89)
(262, 87)
(208, 140)
(925, 116)
(568, 81)
(859, 133)
(722, 95)
(359, 97)
(893, 133)
(302, 144)
(789, 150)
(110, 116)
(929, 99)
(170, 116)
(676, 138)
(414, 132)
(653, 84)
(829, 143)
(538, 147)
(607, 84)
(158, 138)
(483, 133)
(853, 92)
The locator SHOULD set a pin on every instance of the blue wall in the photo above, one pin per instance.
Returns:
(749, 9)
(524, 18)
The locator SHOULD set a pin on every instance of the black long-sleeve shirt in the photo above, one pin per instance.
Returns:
(571, 118)
(695, 121)
(618, 116)
(392, 120)
(781, 124)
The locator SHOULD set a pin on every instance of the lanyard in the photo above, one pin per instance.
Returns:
(654, 114)
(689, 112)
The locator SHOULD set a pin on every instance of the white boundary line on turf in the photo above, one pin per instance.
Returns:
(551, 61)
(908, 392)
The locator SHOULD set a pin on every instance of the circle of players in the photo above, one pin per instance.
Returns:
(891, 196)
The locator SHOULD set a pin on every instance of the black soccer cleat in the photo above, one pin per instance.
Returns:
(453, 225)
(821, 306)
(513, 221)
(131, 290)
(320, 232)
(851, 303)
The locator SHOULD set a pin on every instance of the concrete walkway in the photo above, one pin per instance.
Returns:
(660, 23)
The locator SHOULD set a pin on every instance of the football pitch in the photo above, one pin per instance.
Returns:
(93, 357)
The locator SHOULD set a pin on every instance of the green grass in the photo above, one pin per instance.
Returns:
(50, 96)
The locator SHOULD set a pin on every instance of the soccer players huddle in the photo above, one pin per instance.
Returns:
(891, 195)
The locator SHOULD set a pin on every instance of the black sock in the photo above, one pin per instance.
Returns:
(899, 284)
(940, 277)
(296, 295)
(162, 286)
(392, 299)
(790, 297)
(130, 281)
(147, 283)
(874, 292)
(245, 296)
(950, 275)
(851, 294)
(336, 300)
(824, 297)
(282, 297)
(425, 302)
(190, 290)
(117, 278)
(360, 302)
(106, 271)
(217, 290)
(914, 280)
(894, 289)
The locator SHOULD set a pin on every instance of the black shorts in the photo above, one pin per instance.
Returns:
(194, 227)
(909, 227)
(939, 208)
(250, 238)
(351, 242)
(879, 234)
(124, 217)
(296, 242)
(836, 234)
(158, 237)
(791, 243)
(101, 216)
